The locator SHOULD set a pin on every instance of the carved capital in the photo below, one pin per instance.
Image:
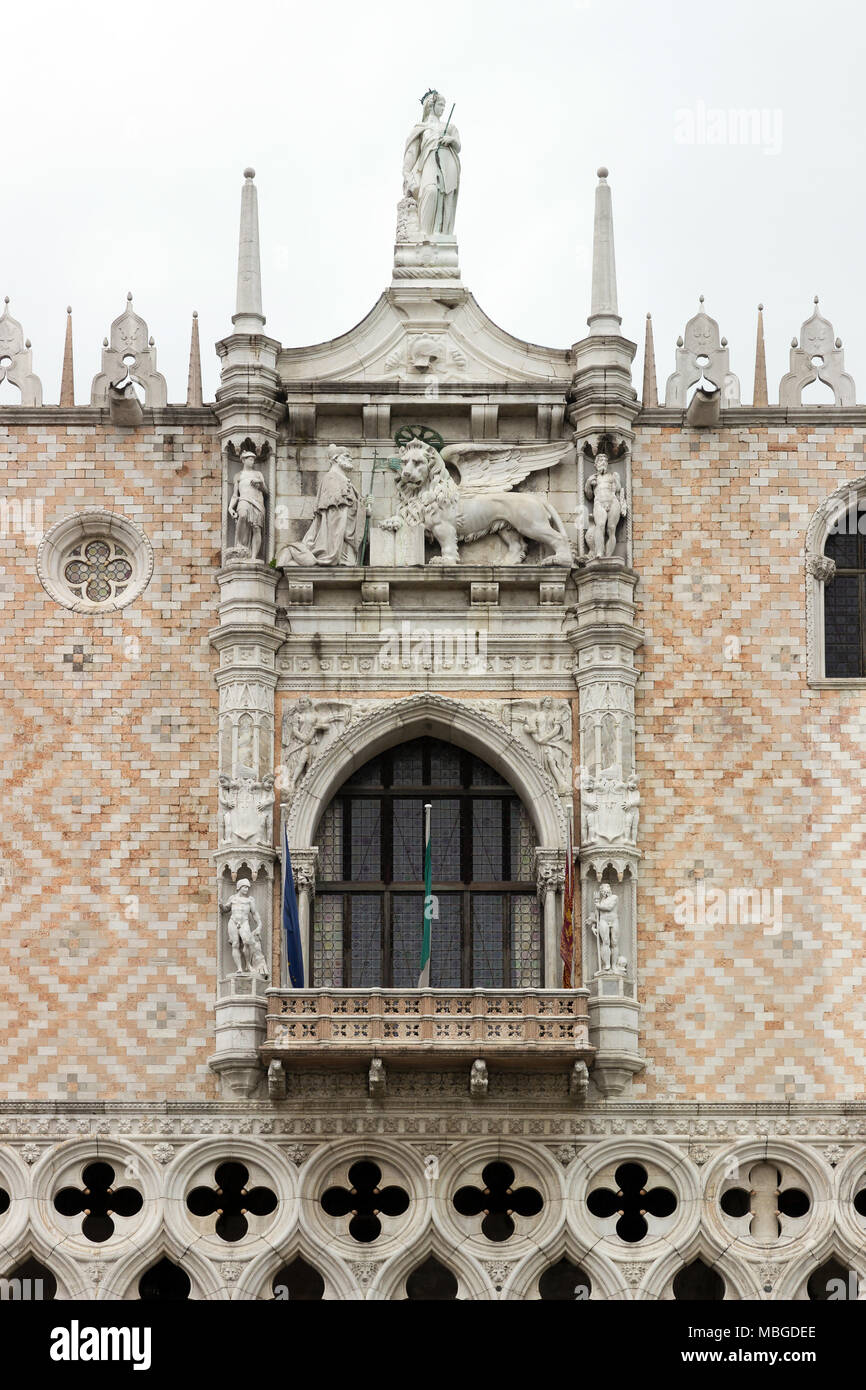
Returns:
(821, 567)
(304, 869)
(549, 872)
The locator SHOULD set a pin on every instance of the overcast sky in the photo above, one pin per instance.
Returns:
(127, 128)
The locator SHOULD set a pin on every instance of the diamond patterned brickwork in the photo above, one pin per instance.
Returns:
(107, 757)
(750, 779)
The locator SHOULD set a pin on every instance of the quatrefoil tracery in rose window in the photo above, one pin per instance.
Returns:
(98, 570)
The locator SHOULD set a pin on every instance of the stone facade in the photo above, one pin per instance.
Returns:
(632, 640)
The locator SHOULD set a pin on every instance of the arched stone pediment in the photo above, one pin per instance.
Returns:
(442, 337)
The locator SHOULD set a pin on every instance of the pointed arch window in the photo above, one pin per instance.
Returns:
(845, 598)
(369, 900)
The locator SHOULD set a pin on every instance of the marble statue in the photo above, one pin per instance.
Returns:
(431, 167)
(246, 804)
(305, 727)
(247, 508)
(336, 532)
(605, 927)
(548, 725)
(608, 501)
(588, 809)
(632, 809)
(482, 503)
(245, 932)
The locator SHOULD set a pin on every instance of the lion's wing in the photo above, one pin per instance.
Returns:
(499, 467)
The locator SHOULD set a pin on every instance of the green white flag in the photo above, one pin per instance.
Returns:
(424, 977)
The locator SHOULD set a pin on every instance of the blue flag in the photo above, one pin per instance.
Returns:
(291, 955)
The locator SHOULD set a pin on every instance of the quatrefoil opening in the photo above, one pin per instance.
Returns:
(365, 1200)
(632, 1202)
(97, 1200)
(232, 1199)
(498, 1200)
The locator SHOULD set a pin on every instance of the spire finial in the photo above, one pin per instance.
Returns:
(67, 378)
(604, 315)
(759, 395)
(248, 316)
(193, 389)
(650, 395)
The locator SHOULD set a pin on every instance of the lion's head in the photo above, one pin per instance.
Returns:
(424, 485)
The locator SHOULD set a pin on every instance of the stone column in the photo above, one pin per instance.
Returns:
(304, 865)
(605, 638)
(246, 640)
(550, 881)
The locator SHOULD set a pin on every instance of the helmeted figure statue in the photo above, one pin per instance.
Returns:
(431, 167)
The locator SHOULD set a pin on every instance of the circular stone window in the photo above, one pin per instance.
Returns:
(94, 562)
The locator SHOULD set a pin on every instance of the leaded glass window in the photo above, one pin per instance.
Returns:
(845, 601)
(368, 912)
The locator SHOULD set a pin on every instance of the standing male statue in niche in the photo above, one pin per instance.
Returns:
(431, 167)
(247, 508)
(605, 928)
(245, 932)
(607, 499)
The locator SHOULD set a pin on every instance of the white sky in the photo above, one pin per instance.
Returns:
(127, 128)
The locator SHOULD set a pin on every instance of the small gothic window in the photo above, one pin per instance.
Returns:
(35, 1281)
(368, 922)
(564, 1282)
(845, 599)
(97, 570)
(298, 1282)
(832, 1282)
(164, 1282)
(697, 1283)
(431, 1282)
(94, 561)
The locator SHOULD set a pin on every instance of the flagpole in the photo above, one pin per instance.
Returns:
(566, 938)
(424, 976)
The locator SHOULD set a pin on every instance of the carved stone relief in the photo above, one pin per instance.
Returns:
(129, 355)
(702, 356)
(16, 354)
(819, 357)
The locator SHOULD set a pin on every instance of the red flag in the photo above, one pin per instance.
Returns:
(566, 940)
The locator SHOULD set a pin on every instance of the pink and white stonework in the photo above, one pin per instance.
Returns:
(427, 561)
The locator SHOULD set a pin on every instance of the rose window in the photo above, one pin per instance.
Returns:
(98, 570)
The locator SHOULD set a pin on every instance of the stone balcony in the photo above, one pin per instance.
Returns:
(516, 1028)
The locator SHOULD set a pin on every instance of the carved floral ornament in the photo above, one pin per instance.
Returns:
(94, 561)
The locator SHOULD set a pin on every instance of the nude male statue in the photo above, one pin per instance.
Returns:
(607, 496)
(245, 932)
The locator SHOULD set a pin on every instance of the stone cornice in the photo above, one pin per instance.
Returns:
(91, 415)
(736, 417)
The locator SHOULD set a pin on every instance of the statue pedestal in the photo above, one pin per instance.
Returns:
(613, 1031)
(241, 1010)
(433, 256)
(397, 549)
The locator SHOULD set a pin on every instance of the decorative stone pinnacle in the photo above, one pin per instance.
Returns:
(759, 394)
(604, 312)
(248, 316)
